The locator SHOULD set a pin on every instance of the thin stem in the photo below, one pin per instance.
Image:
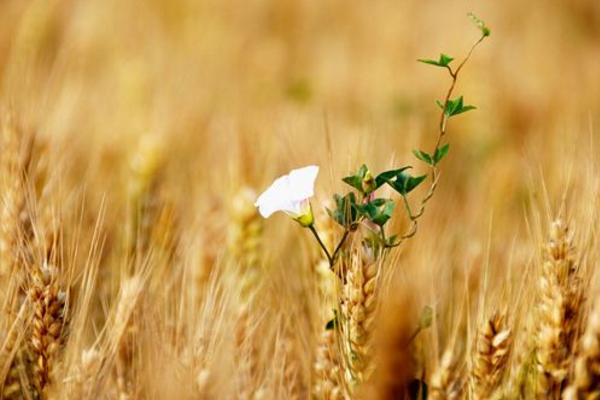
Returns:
(382, 229)
(333, 258)
(441, 133)
(316, 234)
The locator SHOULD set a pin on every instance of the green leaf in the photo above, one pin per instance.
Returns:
(379, 215)
(332, 323)
(426, 317)
(456, 106)
(362, 171)
(485, 31)
(383, 177)
(346, 212)
(392, 240)
(354, 181)
(401, 181)
(440, 153)
(421, 155)
(357, 180)
(412, 182)
(443, 61)
(378, 202)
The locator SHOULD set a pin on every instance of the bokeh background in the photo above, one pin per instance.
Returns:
(242, 91)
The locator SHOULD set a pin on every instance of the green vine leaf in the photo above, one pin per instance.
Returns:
(362, 180)
(346, 212)
(455, 107)
(332, 323)
(401, 181)
(440, 153)
(485, 31)
(443, 61)
(423, 156)
(378, 211)
(383, 177)
(426, 317)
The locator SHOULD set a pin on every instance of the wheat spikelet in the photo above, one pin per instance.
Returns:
(586, 379)
(16, 358)
(146, 206)
(48, 299)
(122, 334)
(80, 385)
(560, 296)
(243, 240)
(491, 357)
(328, 375)
(12, 166)
(292, 369)
(447, 382)
(358, 308)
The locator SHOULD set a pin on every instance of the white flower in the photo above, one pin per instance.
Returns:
(290, 194)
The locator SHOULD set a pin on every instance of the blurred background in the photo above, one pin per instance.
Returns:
(234, 93)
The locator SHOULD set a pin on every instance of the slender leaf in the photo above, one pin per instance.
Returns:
(443, 61)
(440, 153)
(423, 156)
(383, 177)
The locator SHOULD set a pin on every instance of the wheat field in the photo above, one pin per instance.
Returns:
(136, 137)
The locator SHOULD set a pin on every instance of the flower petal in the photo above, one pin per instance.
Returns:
(289, 193)
(275, 198)
(302, 182)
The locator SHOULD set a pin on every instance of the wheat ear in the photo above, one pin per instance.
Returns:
(328, 375)
(448, 381)
(48, 299)
(358, 308)
(560, 296)
(491, 356)
(586, 380)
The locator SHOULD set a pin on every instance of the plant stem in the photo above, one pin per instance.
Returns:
(338, 248)
(316, 234)
(435, 174)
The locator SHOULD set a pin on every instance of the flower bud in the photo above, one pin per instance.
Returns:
(368, 182)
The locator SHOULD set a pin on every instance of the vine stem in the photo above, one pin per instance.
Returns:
(316, 235)
(331, 258)
(435, 172)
